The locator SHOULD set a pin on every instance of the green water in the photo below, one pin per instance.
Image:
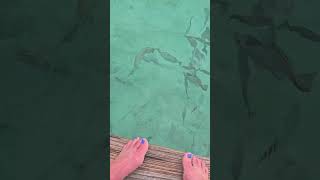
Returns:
(152, 102)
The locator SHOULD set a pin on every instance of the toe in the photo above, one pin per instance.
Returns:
(200, 162)
(203, 165)
(206, 170)
(128, 144)
(143, 147)
(186, 161)
(135, 142)
(196, 162)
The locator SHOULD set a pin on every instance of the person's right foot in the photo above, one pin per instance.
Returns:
(129, 159)
(194, 168)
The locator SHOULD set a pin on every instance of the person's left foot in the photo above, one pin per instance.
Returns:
(129, 159)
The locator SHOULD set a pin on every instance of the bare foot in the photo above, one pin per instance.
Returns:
(129, 159)
(194, 168)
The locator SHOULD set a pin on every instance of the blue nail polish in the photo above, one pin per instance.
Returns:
(142, 141)
(189, 155)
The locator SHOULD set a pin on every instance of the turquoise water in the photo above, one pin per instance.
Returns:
(154, 100)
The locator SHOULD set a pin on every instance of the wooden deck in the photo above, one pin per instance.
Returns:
(160, 163)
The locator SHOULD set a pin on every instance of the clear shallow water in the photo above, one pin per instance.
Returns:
(152, 102)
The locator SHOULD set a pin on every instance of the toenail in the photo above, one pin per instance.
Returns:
(189, 155)
(142, 141)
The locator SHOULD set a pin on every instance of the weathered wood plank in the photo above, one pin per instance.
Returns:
(160, 163)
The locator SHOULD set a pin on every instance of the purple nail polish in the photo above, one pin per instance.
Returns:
(189, 155)
(142, 141)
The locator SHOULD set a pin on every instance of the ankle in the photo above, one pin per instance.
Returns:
(116, 171)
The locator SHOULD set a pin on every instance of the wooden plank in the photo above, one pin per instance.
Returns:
(160, 163)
